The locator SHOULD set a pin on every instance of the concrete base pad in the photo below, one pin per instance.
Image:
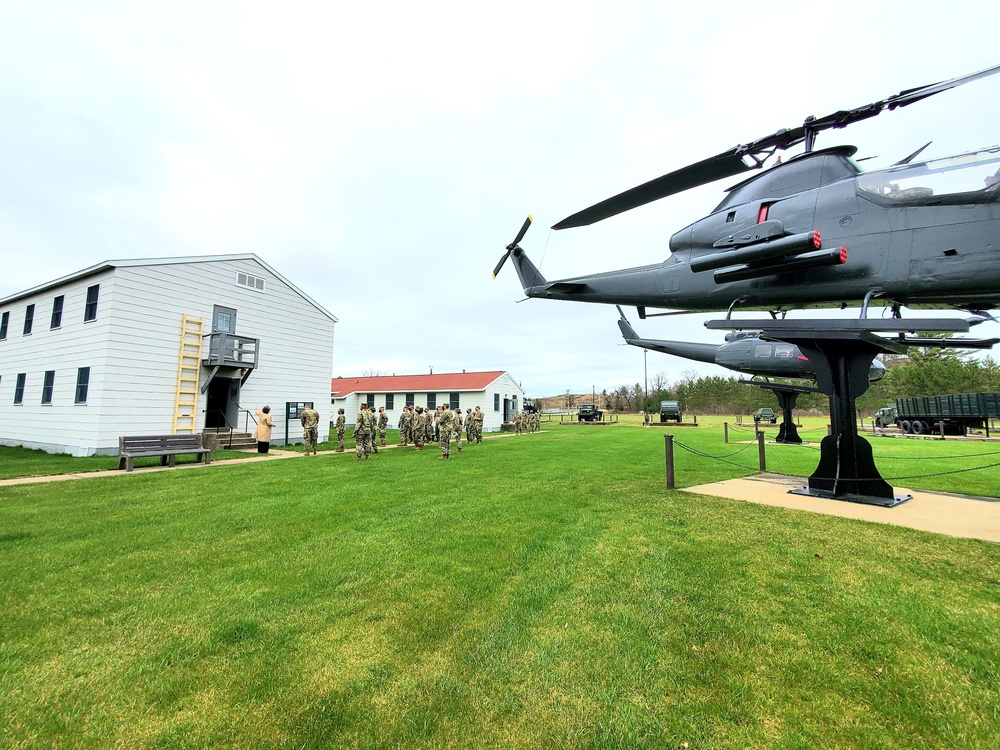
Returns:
(940, 512)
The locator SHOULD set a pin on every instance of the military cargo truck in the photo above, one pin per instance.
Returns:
(957, 413)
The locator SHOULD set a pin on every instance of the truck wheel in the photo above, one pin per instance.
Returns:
(919, 427)
(906, 426)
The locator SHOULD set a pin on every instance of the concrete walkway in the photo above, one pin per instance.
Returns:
(275, 455)
(940, 512)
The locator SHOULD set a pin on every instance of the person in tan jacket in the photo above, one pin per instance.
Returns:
(263, 432)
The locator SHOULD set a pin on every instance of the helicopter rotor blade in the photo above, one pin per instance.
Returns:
(503, 259)
(693, 175)
(512, 245)
(520, 235)
(752, 155)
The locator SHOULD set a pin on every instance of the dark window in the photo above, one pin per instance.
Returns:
(90, 311)
(389, 401)
(19, 388)
(50, 379)
(370, 400)
(452, 401)
(432, 400)
(496, 402)
(57, 305)
(4, 319)
(29, 318)
(409, 400)
(82, 384)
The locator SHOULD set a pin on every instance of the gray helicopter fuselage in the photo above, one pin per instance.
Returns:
(744, 352)
(909, 245)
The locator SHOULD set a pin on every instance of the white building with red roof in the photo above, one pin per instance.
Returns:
(495, 392)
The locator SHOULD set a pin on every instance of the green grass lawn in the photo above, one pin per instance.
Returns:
(538, 591)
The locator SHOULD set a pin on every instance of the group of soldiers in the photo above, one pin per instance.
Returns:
(420, 426)
(416, 425)
(369, 431)
(525, 422)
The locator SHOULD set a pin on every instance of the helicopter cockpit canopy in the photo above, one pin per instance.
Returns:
(802, 172)
(964, 177)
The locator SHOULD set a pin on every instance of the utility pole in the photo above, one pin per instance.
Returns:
(645, 386)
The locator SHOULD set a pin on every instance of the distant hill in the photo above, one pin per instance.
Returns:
(559, 402)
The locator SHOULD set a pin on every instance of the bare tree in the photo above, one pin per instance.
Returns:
(624, 396)
(371, 372)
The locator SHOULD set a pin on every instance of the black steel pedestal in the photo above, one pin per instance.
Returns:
(841, 352)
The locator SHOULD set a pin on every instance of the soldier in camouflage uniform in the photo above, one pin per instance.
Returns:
(310, 429)
(429, 425)
(445, 425)
(341, 426)
(404, 433)
(478, 417)
(457, 427)
(418, 429)
(362, 433)
(383, 424)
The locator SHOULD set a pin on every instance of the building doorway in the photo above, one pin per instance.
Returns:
(222, 408)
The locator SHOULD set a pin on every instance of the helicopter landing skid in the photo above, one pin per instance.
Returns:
(842, 352)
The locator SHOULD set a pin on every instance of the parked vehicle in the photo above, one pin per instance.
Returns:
(885, 416)
(765, 414)
(589, 413)
(670, 410)
(956, 413)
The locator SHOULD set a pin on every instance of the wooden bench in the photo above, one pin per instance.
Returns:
(167, 447)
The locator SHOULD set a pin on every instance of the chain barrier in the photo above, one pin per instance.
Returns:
(943, 473)
(697, 452)
(925, 458)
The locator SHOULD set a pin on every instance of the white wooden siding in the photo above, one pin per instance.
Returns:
(133, 347)
(62, 426)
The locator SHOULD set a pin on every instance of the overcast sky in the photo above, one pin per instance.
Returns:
(381, 155)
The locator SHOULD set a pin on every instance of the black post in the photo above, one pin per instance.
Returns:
(669, 446)
(725, 432)
(760, 451)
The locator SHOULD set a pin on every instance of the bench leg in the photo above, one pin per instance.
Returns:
(121, 463)
(129, 463)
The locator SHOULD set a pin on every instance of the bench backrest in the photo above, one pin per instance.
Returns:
(145, 443)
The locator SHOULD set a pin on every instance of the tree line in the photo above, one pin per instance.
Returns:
(923, 372)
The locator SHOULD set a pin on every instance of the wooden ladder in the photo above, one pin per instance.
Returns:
(188, 371)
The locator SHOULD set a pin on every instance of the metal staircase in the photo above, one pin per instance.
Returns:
(188, 371)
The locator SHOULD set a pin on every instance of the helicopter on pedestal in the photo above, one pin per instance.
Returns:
(815, 230)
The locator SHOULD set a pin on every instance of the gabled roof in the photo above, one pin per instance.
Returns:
(133, 262)
(446, 381)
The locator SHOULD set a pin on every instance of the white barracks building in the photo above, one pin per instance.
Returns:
(157, 346)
